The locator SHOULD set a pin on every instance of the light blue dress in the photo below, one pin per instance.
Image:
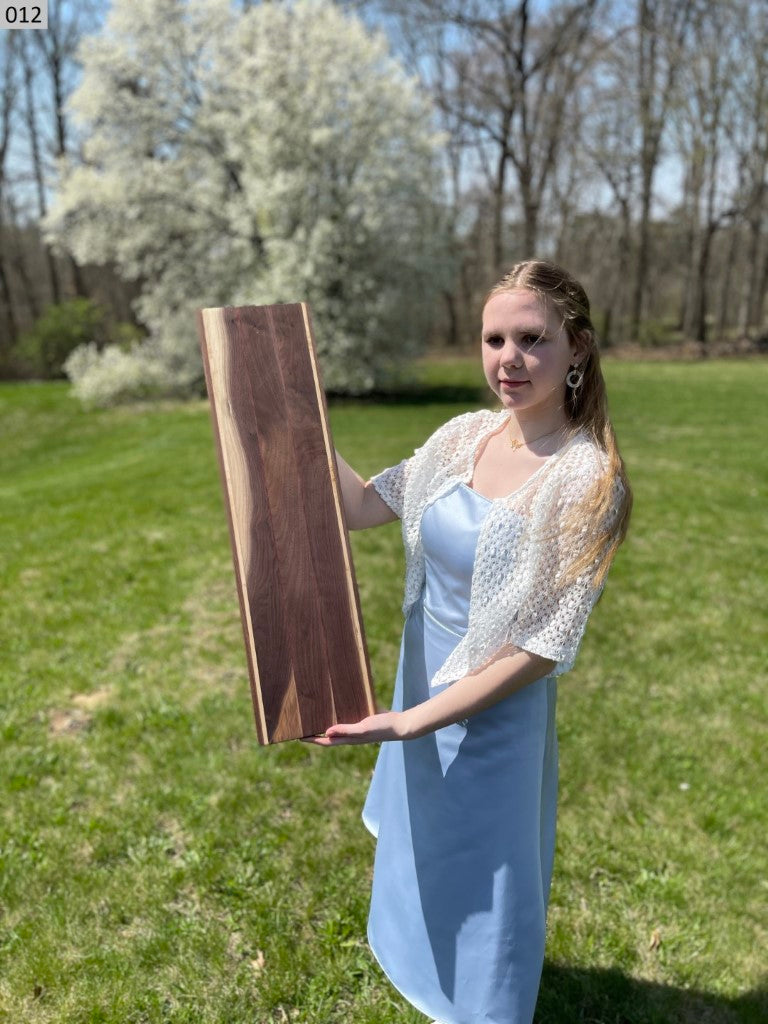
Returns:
(464, 817)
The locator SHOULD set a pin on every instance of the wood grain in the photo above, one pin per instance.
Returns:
(299, 603)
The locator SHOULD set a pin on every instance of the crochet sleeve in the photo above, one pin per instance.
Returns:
(428, 464)
(390, 485)
(551, 620)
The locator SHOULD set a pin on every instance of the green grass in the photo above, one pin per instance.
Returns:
(156, 865)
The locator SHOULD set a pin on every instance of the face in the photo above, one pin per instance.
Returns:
(526, 353)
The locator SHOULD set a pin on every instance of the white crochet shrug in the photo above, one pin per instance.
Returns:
(516, 602)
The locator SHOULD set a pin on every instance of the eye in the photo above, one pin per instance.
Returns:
(532, 339)
(494, 340)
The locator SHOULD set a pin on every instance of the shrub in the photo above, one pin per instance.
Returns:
(63, 327)
(659, 331)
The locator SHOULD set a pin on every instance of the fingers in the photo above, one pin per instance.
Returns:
(339, 735)
(374, 729)
(331, 739)
(344, 730)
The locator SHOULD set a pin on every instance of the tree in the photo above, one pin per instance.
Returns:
(272, 154)
(37, 74)
(38, 168)
(706, 99)
(608, 138)
(9, 87)
(503, 75)
(55, 50)
(747, 132)
(662, 31)
(507, 83)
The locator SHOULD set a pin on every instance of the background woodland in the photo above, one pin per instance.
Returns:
(395, 159)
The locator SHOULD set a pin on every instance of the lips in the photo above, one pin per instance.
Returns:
(514, 383)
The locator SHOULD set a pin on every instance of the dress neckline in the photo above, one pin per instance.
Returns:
(484, 437)
(472, 490)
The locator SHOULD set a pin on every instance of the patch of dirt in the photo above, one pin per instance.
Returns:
(30, 573)
(77, 719)
(178, 839)
(94, 699)
(68, 721)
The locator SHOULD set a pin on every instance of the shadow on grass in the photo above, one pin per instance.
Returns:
(571, 995)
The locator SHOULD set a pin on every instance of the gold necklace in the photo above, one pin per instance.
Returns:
(514, 444)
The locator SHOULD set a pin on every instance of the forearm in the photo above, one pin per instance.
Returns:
(362, 505)
(475, 693)
(352, 487)
(464, 698)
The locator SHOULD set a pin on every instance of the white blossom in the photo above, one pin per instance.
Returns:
(233, 158)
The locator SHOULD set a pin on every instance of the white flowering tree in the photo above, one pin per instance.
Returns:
(276, 154)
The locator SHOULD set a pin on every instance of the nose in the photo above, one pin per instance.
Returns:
(511, 354)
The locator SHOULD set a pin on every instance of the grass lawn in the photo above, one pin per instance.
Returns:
(156, 865)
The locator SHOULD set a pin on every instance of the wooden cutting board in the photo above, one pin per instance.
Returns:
(299, 604)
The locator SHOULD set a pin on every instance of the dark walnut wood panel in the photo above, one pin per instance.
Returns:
(299, 605)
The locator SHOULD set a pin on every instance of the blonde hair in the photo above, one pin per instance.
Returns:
(610, 500)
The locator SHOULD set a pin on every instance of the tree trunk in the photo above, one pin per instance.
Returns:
(498, 211)
(723, 313)
(661, 23)
(702, 268)
(37, 168)
(8, 341)
(641, 269)
(452, 340)
(751, 307)
(762, 290)
(691, 205)
(531, 209)
(19, 264)
(58, 45)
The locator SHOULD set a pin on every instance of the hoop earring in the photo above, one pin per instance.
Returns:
(574, 378)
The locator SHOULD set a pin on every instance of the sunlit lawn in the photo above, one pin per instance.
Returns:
(156, 865)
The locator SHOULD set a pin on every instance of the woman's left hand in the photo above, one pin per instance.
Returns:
(388, 725)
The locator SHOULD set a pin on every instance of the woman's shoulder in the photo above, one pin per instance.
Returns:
(583, 464)
(475, 420)
(456, 436)
(465, 428)
(584, 474)
(583, 453)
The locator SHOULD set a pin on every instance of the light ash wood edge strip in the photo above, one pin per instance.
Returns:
(353, 601)
(216, 352)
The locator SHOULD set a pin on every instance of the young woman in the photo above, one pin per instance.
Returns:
(510, 521)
